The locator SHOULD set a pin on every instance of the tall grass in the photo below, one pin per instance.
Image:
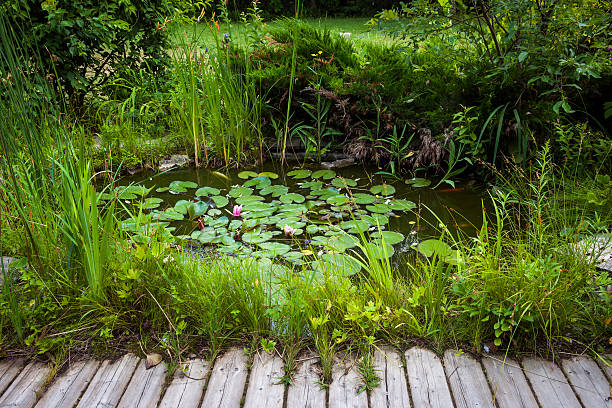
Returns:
(217, 97)
(48, 185)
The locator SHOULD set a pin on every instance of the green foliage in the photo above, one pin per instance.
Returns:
(85, 43)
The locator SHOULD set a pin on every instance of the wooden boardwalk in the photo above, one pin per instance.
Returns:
(417, 378)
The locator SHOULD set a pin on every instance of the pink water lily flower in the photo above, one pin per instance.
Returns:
(289, 231)
(237, 211)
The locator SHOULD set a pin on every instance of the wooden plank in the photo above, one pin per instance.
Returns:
(108, 384)
(467, 381)
(306, 391)
(187, 386)
(67, 389)
(392, 391)
(510, 387)
(9, 369)
(549, 384)
(23, 392)
(590, 383)
(345, 385)
(265, 389)
(145, 388)
(426, 379)
(227, 381)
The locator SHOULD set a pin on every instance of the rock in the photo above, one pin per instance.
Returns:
(4, 268)
(338, 164)
(346, 35)
(176, 160)
(597, 249)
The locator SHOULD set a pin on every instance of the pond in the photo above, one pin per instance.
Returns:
(289, 214)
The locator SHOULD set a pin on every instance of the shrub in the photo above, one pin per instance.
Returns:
(85, 42)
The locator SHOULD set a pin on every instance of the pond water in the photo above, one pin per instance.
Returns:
(289, 213)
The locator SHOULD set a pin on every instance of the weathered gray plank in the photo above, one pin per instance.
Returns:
(549, 384)
(22, 393)
(392, 391)
(227, 381)
(305, 391)
(108, 384)
(66, 389)
(265, 389)
(590, 384)
(467, 381)
(426, 379)
(145, 387)
(345, 385)
(510, 387)
(9, 369)
(187, 386)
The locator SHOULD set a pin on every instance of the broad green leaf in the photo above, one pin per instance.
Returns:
(268, 174)
(361, 198)
(299, 174)
(240, 192)
(382, 189)
(256, 237)
(401, 205)
(433, 247)
(324, 174)
(418, 182)
(342, 182)
(247, 174)
(378, 208)
(292, 198)
(220, 201)
(206, 191)
(389, 237)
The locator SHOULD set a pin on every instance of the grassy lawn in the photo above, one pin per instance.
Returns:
(202, 33)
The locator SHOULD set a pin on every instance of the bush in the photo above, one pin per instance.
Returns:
(85, 42)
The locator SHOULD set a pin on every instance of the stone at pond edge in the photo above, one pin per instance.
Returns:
(176, 160)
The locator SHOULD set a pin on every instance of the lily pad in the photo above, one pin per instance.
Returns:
(299, 174)
(433, 247)
(249, 199)
(256, 237)
(162, 189)
(220, 201)
(258, 182)
(313, 185)
(196, 209)
(379, 249)
(151, 203)
(382, 189)
(207, 191)
(355, 226)
(169, 215)
(181, 206)
(292, 198)
(342, 182)
(339, 199)
(275, 190)
(234, 225)
(401, 205)
(389, 237)
(324, 174)
(178, 186)
(214, 212)
(247, 174)
(268, 174)
(362, 198)
(379, 208)
(342, 242)
(240, 192)
(337, 264)
(276, 247)
(418, 182)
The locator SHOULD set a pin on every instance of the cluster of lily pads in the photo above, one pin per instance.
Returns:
(325, 213)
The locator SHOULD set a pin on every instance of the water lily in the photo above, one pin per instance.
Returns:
(289, 231)
(237, 211)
